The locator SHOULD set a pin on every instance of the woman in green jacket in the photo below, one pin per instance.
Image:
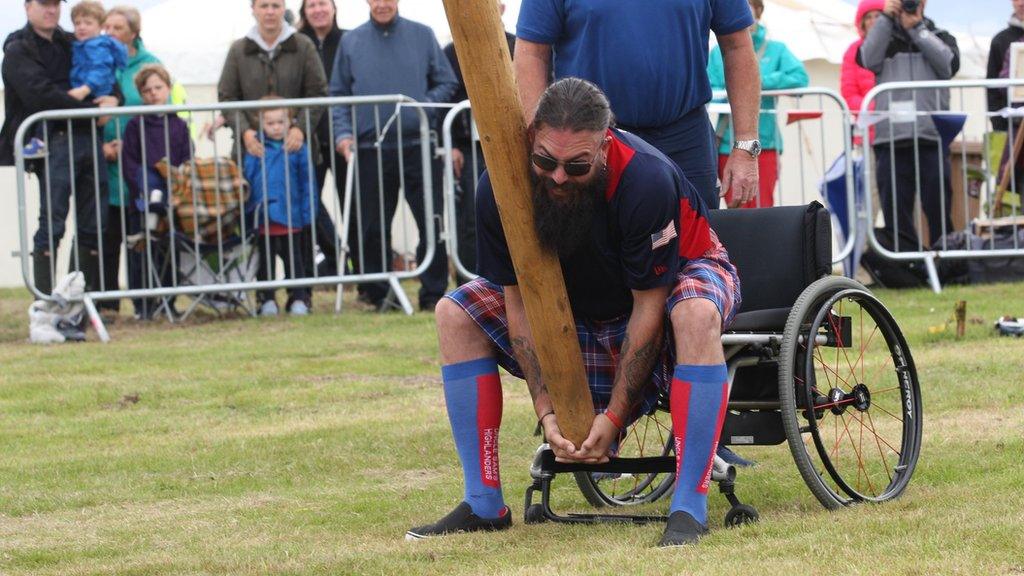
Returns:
(780, 70)
(124, 23)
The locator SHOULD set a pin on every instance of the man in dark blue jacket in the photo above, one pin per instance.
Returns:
(391, 55)
(36, 72)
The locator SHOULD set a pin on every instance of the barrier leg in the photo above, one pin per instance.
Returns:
(933, 274)
(397, 294)
(94, 318)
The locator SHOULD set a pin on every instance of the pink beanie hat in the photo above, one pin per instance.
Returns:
(866, 6)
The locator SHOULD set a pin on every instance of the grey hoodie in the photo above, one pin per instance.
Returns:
(897, 55)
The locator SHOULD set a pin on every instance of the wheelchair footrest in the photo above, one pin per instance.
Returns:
(649, 465)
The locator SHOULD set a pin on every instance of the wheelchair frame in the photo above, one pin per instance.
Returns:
(816, 321)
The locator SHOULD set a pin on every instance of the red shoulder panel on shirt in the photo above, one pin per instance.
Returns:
(620, 155)
(694, 232)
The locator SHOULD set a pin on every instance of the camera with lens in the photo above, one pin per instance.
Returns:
(910, 6)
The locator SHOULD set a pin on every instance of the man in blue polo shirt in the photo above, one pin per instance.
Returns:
(651, 60)
(391, 55)
(651, 289)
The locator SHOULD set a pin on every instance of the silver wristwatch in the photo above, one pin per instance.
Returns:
(752, 147)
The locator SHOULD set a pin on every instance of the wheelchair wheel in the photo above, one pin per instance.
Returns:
(649, 435)
(741, 514)
(849, 393)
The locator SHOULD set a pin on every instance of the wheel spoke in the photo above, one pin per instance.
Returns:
(864, 348)
(839, 340)
(894, 417)
(861, 468)
(882, 440)
(876, 373)
(828, 368)
(878, 443)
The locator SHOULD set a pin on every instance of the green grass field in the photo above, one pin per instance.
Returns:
(308, 446)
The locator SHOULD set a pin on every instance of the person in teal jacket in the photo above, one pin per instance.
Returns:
(780, 70)
(124, 24)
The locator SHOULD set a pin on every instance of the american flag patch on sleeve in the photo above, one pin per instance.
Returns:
(664, 237)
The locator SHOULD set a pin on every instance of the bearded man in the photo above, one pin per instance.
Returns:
(651, 289)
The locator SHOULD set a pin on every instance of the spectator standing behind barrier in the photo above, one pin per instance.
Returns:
(391, 55)
(273, 58)
(124, 24)
(855, 81)
(999, 62)
(282, 184)
(148, 140)
(780, 70)
(463, 150)
(652, 63)
(95, 57)
(904, 45)
(319, 20)
(36, 73)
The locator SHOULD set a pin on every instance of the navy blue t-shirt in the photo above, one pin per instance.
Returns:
(648, 223)
(649, 57)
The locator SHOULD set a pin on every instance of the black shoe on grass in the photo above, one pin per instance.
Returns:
(461, 519)
(682, 529)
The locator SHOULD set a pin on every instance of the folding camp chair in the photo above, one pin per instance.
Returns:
(212, 237)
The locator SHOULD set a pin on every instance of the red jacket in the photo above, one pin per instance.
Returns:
(854, 80)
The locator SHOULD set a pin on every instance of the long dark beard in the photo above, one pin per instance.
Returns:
(563, 225)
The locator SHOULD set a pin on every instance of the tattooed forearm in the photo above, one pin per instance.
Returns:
(527, 359)
(635, 372)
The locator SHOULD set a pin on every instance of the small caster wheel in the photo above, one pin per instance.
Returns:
(741, 514)
(534, 514)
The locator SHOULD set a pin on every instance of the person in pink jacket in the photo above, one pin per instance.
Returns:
(855, 81)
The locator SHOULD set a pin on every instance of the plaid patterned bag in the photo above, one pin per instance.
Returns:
(207, 195)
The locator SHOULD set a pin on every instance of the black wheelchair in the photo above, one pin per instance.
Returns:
(813, 360)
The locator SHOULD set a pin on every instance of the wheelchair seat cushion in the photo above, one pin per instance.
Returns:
(768, 320)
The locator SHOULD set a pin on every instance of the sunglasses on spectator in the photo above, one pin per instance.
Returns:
(572, 168)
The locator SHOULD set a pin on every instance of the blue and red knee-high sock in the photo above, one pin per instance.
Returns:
(472, 392)
(698, 402)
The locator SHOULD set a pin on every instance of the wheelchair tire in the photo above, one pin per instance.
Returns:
(649, 435)
(741, 514)
(850, 397)
(535, 514)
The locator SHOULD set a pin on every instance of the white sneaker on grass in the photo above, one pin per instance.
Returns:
(298, 308)
(268, 308)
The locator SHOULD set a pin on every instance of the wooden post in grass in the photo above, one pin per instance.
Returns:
(487, 70)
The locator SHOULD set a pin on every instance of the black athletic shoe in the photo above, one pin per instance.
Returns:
(682, 529)
(461, 519)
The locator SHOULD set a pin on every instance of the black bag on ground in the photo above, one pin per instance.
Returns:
(982, 270)
(894, 273)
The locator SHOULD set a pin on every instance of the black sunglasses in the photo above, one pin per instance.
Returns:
(549, 164)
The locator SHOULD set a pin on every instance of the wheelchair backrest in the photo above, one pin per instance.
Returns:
(777, 251)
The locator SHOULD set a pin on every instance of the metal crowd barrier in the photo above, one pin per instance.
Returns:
(814, 127)
(154, 224)
(460, 191)
(814, 122)
(962, 194)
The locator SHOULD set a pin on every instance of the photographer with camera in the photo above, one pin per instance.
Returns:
(903, 46)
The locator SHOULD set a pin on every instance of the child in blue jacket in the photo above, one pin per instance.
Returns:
(95, 57)
(282, 185)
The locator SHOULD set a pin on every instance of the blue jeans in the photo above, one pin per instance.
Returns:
(63, 169)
